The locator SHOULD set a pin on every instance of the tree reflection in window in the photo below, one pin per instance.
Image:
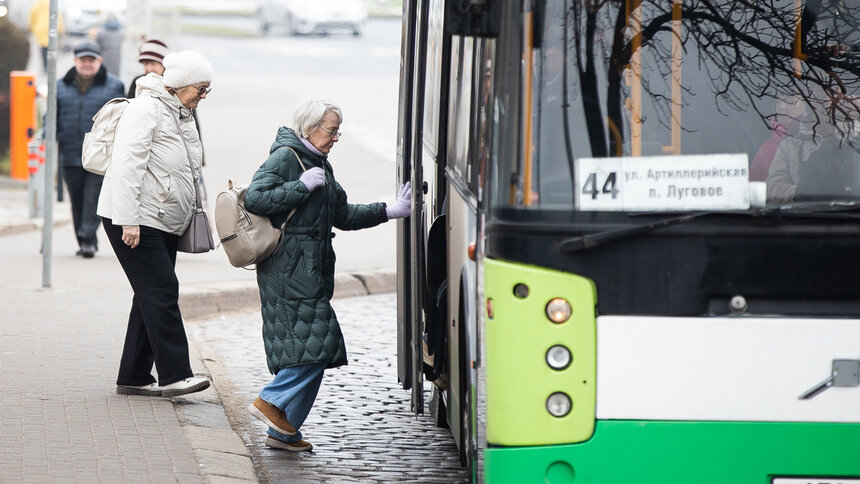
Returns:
(750, 53)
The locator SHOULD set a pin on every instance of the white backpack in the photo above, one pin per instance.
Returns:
(247, 238)
(98, 143)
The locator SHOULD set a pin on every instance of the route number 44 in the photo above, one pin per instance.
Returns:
(609, 186)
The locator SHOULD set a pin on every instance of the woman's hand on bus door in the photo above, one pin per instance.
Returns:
(313, 178)
(403, 206)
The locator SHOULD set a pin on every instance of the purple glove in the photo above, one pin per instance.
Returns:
(403, 206)
(313, 178)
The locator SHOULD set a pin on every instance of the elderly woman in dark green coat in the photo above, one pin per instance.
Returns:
(300, 330)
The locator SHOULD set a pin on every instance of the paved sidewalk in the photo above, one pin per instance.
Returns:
(60, 418)
(15, 208)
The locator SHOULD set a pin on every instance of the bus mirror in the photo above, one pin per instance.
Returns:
(478, 18)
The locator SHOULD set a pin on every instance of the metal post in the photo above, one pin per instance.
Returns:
(51, 142)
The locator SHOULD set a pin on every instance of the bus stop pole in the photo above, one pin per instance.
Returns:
(51, 148)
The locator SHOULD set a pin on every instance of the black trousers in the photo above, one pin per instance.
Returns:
(84, 188)
(155, 331)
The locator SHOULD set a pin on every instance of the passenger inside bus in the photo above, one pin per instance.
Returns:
(819, 163)
(784, 123)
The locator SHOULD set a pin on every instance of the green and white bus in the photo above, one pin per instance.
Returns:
(634, 255)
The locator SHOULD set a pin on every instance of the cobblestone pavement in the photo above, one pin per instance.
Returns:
(361, 425)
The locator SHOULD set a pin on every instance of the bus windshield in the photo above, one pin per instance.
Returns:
(684, 105)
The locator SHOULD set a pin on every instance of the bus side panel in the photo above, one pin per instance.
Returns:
(518, 336)
(461, 277)
(629, 451)
(724, 368)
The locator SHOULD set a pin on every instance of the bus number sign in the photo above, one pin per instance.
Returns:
(609, 186)
(663, 183)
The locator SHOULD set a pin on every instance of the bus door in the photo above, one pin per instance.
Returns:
(423, 90)
(404, 169)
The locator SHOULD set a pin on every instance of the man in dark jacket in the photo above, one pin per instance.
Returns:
(80, 95)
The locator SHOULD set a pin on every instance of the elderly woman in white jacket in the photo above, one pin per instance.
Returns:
(146, 203)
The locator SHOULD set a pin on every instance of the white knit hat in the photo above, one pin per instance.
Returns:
(185, 68)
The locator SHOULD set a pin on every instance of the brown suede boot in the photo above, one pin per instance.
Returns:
(272, 416)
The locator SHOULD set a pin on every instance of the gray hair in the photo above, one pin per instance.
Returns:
(310, 114)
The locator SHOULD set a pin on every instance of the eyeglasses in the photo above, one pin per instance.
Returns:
(331, 134)
(201, 90)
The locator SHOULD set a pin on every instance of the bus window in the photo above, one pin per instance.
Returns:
(554, 165)
(433, 73)
(505, 113)
(459, 108)
(484, 115)
(774, 81)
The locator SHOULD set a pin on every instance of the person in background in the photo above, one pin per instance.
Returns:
(301, 335)
(84, 89)
(109, 37)
(151, 55)
(40, 14)
(146, 204)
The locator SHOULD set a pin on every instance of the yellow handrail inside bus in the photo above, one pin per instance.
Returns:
(798, 55)
(528, 109)
(616, 135)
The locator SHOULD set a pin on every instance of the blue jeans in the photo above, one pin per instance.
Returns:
(294, 390)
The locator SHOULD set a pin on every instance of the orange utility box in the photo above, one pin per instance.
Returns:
(22, 121)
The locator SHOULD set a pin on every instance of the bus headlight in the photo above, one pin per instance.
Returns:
(558, 310)
(558, 404)
(558, 357)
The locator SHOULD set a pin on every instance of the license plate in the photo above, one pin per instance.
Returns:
(815, 480)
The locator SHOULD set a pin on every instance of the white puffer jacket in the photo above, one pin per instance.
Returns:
(149, 181)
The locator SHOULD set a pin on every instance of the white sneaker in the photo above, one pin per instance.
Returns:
(151, 390)
(182, 387)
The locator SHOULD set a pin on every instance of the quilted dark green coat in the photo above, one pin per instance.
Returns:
(297, 281)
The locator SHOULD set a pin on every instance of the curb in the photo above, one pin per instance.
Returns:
(222, 456)
(22, 227)
(199, 301)
(15, 221)
(7, 182)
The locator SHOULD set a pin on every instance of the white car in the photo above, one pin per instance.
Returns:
(313, 16)
(80, 16)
